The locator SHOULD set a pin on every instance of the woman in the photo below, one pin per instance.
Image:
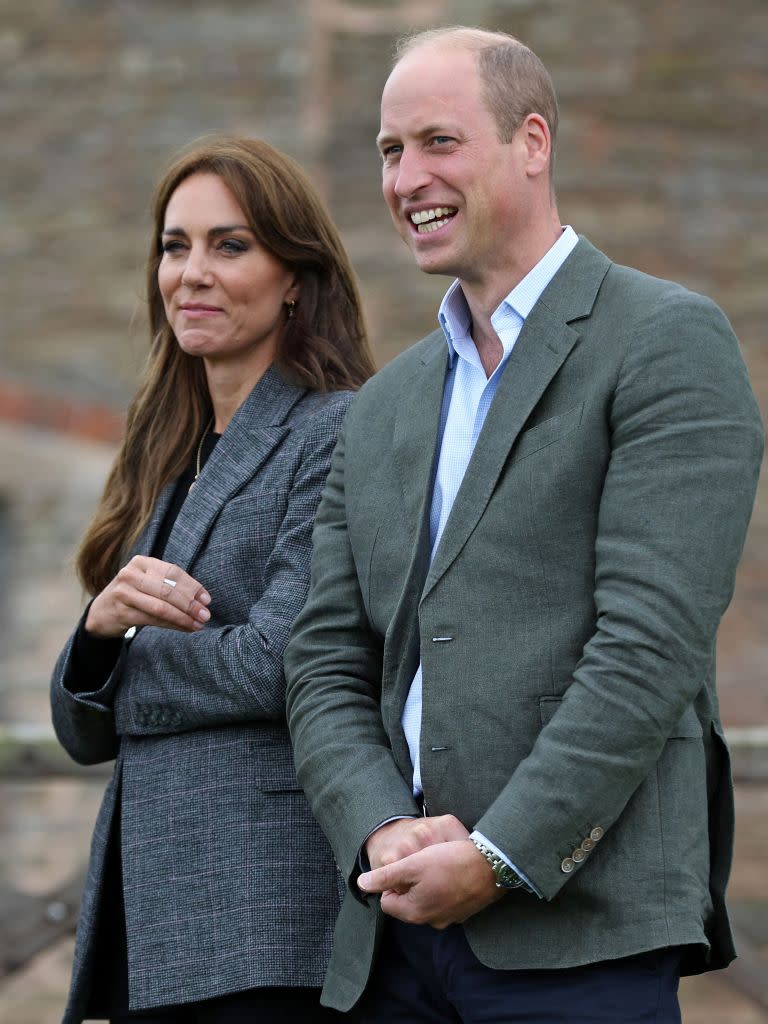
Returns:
(211, 893)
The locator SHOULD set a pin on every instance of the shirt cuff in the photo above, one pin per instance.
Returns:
(527, 883)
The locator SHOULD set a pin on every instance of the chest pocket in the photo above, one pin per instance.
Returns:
(547, 432)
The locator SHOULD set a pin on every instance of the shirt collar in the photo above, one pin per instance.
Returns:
(511, 313)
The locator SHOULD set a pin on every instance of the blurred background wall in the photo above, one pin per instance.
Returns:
(661, 162)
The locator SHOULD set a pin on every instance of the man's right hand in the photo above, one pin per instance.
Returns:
(401, 838)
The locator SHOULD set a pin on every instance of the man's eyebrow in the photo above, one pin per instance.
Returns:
(224, 229)
(436, 128)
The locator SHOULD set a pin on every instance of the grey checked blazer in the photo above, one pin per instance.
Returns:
(228, 882)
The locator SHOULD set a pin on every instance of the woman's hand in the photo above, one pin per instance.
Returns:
(149, 592)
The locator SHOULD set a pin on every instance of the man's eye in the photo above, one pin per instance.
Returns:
(389, 151)
(441, 140)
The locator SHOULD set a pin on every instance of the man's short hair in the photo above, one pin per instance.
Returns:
(515, 82)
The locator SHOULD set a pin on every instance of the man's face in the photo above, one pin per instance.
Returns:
(456, 194)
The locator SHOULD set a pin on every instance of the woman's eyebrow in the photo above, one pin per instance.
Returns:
(222, 230)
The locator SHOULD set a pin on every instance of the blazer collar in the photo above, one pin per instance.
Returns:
(254, 432)
(545, 341)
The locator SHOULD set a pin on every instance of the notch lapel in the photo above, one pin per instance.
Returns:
(545, 341)
(254, 432)
(414, 443)
(416, 426)
(146, 539)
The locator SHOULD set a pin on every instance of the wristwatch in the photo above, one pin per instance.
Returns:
(506, 877)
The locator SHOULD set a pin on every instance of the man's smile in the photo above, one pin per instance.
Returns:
(426, 221)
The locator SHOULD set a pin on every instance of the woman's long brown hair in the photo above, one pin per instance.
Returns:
(324, 346)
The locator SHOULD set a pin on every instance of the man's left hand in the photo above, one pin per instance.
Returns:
(440, 885)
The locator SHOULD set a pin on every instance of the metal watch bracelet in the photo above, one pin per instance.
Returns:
(505, 876)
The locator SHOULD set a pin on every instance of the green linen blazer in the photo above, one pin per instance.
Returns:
(582, 575)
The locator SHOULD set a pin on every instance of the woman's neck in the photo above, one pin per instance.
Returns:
(229, 385)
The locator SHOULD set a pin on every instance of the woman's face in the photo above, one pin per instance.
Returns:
(224, 294)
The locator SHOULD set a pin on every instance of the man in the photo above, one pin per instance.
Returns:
(501, 690)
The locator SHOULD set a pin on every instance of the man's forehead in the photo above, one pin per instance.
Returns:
(436, 87)
(432, 59)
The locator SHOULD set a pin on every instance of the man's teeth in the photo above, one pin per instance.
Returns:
(431, 220)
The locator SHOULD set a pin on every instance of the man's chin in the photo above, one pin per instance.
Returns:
(431, 262)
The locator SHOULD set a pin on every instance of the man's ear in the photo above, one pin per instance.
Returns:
(537, 140)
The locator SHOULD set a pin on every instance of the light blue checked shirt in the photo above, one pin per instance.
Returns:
(469, 394)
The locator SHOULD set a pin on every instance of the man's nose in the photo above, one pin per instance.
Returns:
(412, 174)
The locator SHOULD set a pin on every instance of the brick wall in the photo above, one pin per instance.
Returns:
(661, 162)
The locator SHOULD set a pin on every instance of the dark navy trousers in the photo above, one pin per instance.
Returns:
(424, 976)
(256, 1006)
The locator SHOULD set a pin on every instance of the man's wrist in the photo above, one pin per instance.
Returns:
(527, 885)
(504, 876)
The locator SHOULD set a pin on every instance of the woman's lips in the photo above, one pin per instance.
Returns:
(200, 311)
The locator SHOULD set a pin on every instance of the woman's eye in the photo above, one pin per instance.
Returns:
(172, 246)
(233, 245)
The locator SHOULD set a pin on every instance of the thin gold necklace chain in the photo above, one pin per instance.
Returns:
(199, 456)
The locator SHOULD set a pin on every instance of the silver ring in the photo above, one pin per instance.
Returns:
(171, 583)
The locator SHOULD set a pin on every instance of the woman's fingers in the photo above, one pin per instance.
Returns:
(175, 590)
(165, 593)
(149, 592)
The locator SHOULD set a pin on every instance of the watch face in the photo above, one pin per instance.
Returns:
(508, 879)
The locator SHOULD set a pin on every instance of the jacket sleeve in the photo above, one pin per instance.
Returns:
(686, 447)
(333, 667)
(81, 704)
(177, 682)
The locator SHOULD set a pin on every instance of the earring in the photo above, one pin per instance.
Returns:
(291, 308)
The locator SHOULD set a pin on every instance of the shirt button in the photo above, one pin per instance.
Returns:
(579, 855)
(567, 866)
(596, 834)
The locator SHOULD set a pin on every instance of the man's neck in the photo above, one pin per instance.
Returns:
(484, 295)
(487, 343)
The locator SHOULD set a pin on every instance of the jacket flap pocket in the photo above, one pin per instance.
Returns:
(274, 771)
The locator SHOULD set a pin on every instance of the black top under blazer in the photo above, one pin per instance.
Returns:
(228, 883)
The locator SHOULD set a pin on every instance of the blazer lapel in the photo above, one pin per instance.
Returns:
(146, 539)
(254, 432)
(416, 426)
(414, 443)
(545, 341)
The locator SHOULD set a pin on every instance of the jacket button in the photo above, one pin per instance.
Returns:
(567, 866)
(579, 855)
(596, 834)
(587, 844)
